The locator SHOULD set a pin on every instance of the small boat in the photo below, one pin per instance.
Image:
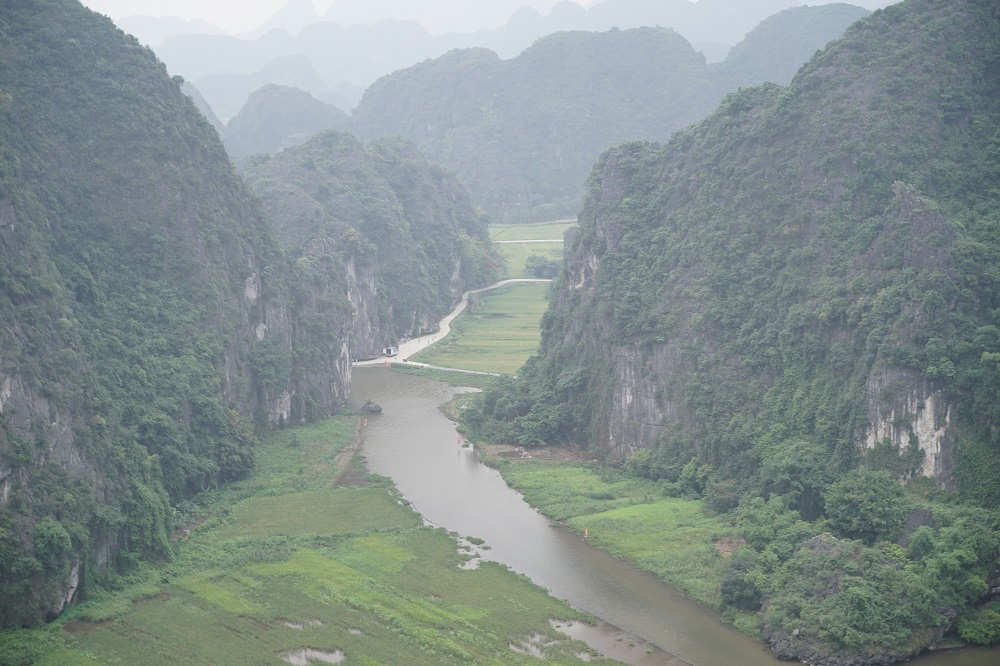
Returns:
(372, 407)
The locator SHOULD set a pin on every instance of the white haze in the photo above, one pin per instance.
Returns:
(241, 16)
(437, 16)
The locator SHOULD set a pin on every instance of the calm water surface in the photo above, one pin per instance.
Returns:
(415, 445)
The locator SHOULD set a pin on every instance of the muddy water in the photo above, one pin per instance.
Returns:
(415, 445)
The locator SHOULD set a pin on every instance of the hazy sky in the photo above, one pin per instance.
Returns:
(235, 15)
(239, 16)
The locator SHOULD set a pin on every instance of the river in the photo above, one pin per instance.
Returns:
(415, 445)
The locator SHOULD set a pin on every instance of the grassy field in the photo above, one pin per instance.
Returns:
(287, 562)
(446, 376)
(517, 253)
(542, 231)
(499, 335)
(668, 537)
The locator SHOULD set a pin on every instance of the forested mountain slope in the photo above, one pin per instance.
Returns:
(228, 93)
(149, 318)
(188, 89)
(276, 117)
(806, 282)
(775, 49)
(524, 133)
(807, 258)
(391, 217)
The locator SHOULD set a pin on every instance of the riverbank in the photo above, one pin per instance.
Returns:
(668, 537)
(303, 559)
(447, 483)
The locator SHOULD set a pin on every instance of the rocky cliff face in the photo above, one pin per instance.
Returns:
(150, 317)
(401, 232)
(776, 273)
(901, 404)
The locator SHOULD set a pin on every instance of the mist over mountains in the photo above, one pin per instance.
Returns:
(523, 133)
(342, 51)
(778, 315)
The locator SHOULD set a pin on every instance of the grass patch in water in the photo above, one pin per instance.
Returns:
(669, 537)
(282, 546)
(499, 335)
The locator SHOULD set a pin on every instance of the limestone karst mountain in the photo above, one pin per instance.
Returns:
(151, 319)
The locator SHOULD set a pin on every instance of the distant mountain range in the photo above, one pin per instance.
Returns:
(278, 117)
(524, 133)
(370, 48)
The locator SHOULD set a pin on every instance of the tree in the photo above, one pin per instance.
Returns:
(866, 505)
(538, 266)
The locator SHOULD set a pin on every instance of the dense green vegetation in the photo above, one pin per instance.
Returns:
(127, 241)
(388, 217)
(774, 50)
(522, 133)
(748, 304)
(496, 333)
(537, 266)
(292, 557)
(150, 320)
(855, 598)
(278, 117)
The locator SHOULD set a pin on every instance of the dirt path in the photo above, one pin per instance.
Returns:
(408, 348)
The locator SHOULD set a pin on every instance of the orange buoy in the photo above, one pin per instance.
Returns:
(459, 439)
(365, 422)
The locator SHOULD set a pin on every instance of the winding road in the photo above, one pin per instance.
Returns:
(408, 348)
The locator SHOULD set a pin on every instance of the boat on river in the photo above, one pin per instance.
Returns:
(372, 407)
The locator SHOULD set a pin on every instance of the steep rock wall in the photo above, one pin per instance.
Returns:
(400, 236)
(809, 264)
(148, 319)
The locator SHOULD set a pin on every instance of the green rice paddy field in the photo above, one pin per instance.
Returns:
(544, 230)
(499, 335)
(516, 254)
(291, 560)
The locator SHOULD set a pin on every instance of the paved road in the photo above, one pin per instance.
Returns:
(408, 348)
